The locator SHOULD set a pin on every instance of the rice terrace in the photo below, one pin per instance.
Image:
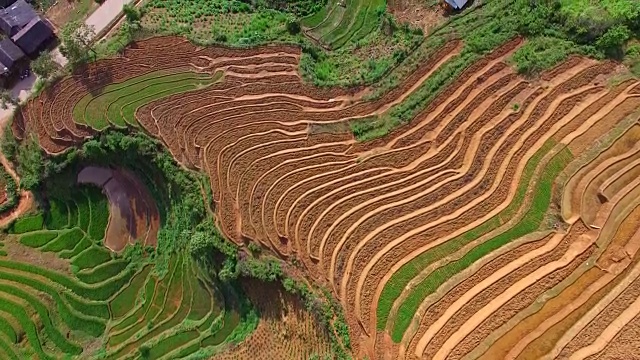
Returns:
(338, 179)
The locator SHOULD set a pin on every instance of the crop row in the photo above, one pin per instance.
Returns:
(386, 224)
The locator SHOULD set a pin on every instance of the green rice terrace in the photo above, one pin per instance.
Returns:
(337, 179)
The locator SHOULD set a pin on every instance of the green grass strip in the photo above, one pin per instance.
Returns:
(80, 247)
(371, 22)
(149, 290)
(8, 350)
(401, 278)
(65, 241)
(7, 329)
(92, 104)
(56, 337)
(173, 342)
(531, 221)
(91, 257)
(126, 299)
(202, 299)
(27, 224)
(73, 213)
(106, 107)
(84, 210)
(100, 292)
(103, 272)
(152, 312)
(178, 316)
(124, 107)
(332, 20)
(353, 9)
(27, 325)
(91, 327)
(153, 93)
(99, 213)
(38, 239)
(230, 322)
(58, 215)
(373, 128)
(315, 19)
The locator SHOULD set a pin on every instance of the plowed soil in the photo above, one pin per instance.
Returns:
(286, 172)
(133, 215)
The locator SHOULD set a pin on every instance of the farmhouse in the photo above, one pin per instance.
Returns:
(10, 55)
(24, 26)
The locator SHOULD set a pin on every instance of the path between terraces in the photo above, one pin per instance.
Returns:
(26, 198)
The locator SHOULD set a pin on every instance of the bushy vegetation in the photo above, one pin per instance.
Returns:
(11, 189)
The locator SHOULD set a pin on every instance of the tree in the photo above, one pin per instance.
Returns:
(44, 66)
(611, 41)
(76, 39)
(6, 99)
(131, 13)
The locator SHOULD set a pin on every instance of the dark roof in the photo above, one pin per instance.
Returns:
(5, 3)
(9, 53)
(16, 16)
(457, 4)
(33, 35)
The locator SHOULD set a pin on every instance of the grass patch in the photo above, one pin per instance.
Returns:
(52, 333)
(83, 244)
(99, 213)
(126, 299)
(117, 103)
(102, 272)
(171, 343)
(27, 224)
(84, 211)
(99, 292)
(27, 325)
(91, 257)
(57, 216)
(65, 241)
(149, 291)
(38, 239)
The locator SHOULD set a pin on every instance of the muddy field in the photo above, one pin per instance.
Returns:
(133, 216)
(426, 236)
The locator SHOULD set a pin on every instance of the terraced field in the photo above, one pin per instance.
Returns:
(341, 21)
(61, 289)
(500, 222)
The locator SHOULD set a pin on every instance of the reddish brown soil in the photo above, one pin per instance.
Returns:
(348, 211)
(133, 215)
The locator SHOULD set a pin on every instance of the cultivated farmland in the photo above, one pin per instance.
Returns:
(500, 221)
(471, 191)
